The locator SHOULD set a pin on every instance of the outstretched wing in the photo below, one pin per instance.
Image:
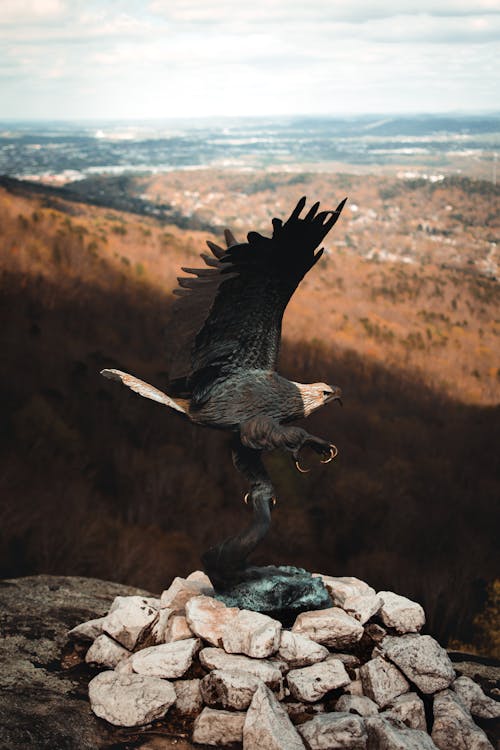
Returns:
(229, 313)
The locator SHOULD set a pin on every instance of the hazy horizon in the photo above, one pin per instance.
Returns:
(74, 60)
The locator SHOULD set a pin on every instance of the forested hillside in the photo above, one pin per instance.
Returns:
(96, 481)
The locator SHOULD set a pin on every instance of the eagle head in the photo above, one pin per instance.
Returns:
(315, 395)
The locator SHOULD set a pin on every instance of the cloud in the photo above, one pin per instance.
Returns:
(18, 11)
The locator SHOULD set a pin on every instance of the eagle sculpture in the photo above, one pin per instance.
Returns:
(226, 325)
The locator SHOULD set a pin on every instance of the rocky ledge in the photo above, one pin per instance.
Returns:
(184, 668)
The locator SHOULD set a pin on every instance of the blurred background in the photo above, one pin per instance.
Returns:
(131, 132)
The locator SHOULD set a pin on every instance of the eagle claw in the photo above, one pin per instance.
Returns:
(327, 457)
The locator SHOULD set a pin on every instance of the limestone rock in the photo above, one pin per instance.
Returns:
(216, 658)
(218, 728)
(121, 601)
(335, 731)
(453, 726)
(189, 700)
(268, 725)
(341, 588)
(356, 704)
(382, 681)
(409, 709)
(362, 606)
(354, 688)
(400, 613)
(160, 625)
(125, 666)
(330, 627)
(229, 689)
(169, 660)
(310, 684)
(375, 632)
(128, 619)
(200, 577)
(87, 631)
(421, 659)
(208, 618)
(253, 634)
(130, 700)
(350, 661)
(177, 629)
(475, 700)
(181, 591)
(297, 710)
(105, 652)
(299, 651)
(390, 735)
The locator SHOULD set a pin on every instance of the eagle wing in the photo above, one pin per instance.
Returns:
(228, 315)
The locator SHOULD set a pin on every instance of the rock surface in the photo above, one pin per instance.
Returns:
(105, 652)
(218, 728)
(49, 688)
(253, 634)
(400, 613)
(42, 677)
(130, 700)
(181, 590)
(422, 660)
(268, 725)
(409, 709)
(128, 619)
(335, 731)
(382, 681)
(229, 689)
(299, 651)
(208, 618)
(310, 684)
(475, 700)
(216, 658)
(330, 627)
(453, 726)
(169, 660)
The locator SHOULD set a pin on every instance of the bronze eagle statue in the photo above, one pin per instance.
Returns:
(227, 328)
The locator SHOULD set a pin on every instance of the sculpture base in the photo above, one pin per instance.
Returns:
(281, 592)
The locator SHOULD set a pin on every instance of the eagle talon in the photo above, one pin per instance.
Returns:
(333, 454)
(245, 499)
(298, 466)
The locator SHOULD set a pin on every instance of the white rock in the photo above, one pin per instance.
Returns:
(105, 652)
(251, 633)
(400, 613)
(475, 700)
(299, 651)
(177, 629)
(200, 577)
(218, 728)
(335, 731)
(229, 688)
(341, 588)
(189, 700)
(330, 627)
(382, 681)
(453, 727)
(208, 618)
(354, 688)
(169, 660)
(297, 709)
(282, 665)
(310, 684)
(356, 704)
(421, 659)
(409, 709)
(348, 660)
(391, 735)
(363, 606)
(130, 700)
(121, 601)
(216, 658)
(128, 619)
(375, 632)
(87, 631)
(181, 591)
(124, 667)
(159, 626)
(268, 725)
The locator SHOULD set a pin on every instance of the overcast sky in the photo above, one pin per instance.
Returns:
(138, 59)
